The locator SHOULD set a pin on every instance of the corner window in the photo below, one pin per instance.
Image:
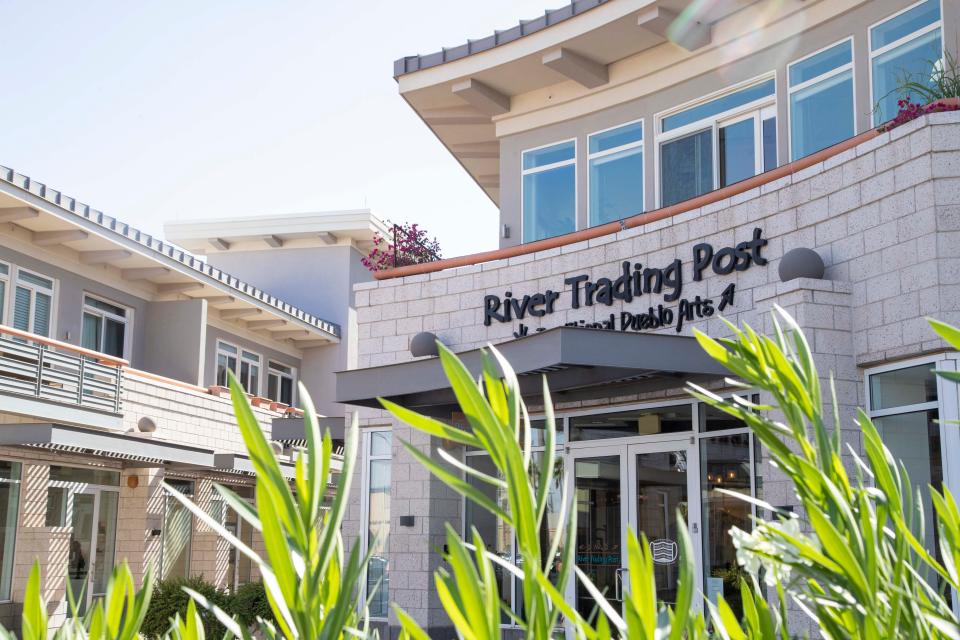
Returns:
(177, 533)
(820, 88)
(741, 127)
(280, 382)
(549, 188)
(105, 326)
(377, 516)
(9, 508)
(33, 303)
(615, 160)
(905, 47)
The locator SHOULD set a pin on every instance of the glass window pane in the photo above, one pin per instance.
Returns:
(718, 106)
(737, 149)
(113, 338)
(713, 419)
(38, 281)
(272, 382)
(912, 61)
(4, 269)
(903, 387)
(821, 115)
(105, 542)
(9, 506)
(286, 391)
(222, 368)
(904, 24)
(550, 525)
(380, 443)
(378, 537)
(226, 348)
(496, 535)
(549, 203)
(686, 168)
(616, 186)
(96, 303)
(637, 422)
(56, 507)
(3, 300)
(90, 332)
(618, 137)
(549, 155)
(824, 62)
(724, 465)
(599, 549)
(538, 432)
(21, 309)
(769, 144)
(177, 536)
(661, 491)
(86, 475)
(43, 307)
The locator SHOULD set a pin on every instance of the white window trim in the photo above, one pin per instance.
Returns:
(292, 375)
(729, 116)
(54, 292)
(6, 278)
(241, 356)
(126, 320)
(851, 66)
(554, 165)
(602, 154)
(873, 53)
(366, 457)
(216, 359)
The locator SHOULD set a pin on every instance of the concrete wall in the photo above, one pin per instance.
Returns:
(770, 60)
(175, 344)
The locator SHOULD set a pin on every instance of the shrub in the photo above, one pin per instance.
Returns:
(248, 602)
(169, 600)
(409, 245)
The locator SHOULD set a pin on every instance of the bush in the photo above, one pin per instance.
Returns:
(248, 602)
(169, 599)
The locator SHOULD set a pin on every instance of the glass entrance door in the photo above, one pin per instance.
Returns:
(92, 544)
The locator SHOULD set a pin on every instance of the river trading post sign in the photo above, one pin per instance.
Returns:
(634, 281)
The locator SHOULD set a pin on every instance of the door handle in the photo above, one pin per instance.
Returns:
(618, 583)
(695, 528)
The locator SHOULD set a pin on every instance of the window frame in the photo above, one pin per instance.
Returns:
(851, 66)
(755, 108)
(238, 356)
(241, 356)
(216, 360)
(871, 53)
(54, 292)
(127, 321)
(6, 279)
(367, 457)
(16, 524)
(555, 165)
(624, 147)
(169, 500)
(292, 375)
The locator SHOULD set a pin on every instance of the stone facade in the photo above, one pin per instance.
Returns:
(884, 216)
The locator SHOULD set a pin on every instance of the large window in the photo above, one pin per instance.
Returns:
(32, 304)
(377, 530)
(821, 99)
(244, 364)
(615, 159)
(905, 46)
(177, 533)
(549, 191)
(9, 507)
(717, 142)
(281, 381)
(105, 326)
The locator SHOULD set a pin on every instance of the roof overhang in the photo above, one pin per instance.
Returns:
(239, 463)
(578, 363)
(133, 450)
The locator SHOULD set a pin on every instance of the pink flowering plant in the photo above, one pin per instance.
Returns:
(410, 245)
(910, 110)
(932, 91)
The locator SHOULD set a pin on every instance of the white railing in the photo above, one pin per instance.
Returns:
(31, 365)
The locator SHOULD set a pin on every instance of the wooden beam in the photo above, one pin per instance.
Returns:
(233, 314)
(103, 257)
(50, 238)
(290, 335)
(178, 287)
(307, 344)
(273, 241)
(580, 69)
(146, 273)
(477, 150)
(689, 34)
(453, 116)
(219, 243)
(266, 324)
(327, 237)
(215, 300)
(13, 214)
(484, 98)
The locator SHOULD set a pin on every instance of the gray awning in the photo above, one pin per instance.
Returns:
(240, 463)
(138, 450)
(579, 363)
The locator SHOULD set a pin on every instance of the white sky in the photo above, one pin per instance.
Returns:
(180, 110)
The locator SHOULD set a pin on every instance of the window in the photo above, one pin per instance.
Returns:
(250, 371)
(244, 364)
(9, 508)
(33, 303)
(4, 287)
(549, 191)
(280, 382)
(177, 533)
(226, 361)
(104, 326)
(820, 88)
(905, 46)
(377, 530)
(717, 143)
(615, 160)
(239, 567)
(636, 422)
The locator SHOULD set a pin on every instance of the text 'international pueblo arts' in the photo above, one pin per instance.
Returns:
(634, 281)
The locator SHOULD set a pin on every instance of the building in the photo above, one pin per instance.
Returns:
(658, 164)
(114, 352)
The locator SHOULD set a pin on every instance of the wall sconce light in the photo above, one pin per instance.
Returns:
(133, 481)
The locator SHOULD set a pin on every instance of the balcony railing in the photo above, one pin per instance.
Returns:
(38, 367)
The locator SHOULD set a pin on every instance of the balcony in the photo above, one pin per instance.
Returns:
(53, 380)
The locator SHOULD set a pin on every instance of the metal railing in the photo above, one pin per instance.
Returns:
(38, 367)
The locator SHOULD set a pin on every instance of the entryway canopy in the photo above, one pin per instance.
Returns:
(579, 363)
